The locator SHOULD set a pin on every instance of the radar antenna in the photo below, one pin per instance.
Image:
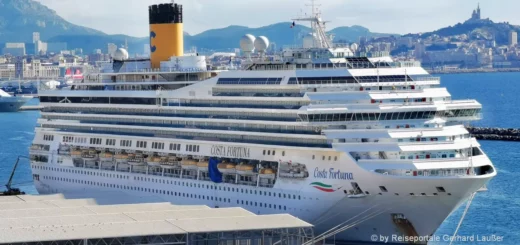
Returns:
(318, 26)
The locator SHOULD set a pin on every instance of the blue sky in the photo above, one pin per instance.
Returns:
(390, 16)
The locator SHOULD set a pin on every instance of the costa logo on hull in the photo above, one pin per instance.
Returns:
(332, 174)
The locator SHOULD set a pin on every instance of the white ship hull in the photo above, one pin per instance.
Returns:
(368, 215)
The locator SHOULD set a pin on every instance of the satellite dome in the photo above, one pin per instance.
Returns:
(354, 47)
(247, 43)
(120, 54)
(261, 44)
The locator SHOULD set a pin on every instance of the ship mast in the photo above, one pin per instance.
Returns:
(318, 26)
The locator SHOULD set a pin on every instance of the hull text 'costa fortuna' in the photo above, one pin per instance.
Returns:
(354, 145)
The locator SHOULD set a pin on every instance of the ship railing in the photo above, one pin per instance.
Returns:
(87, 166)
(112, 168)
(329, 66)
(458, 172)
(248, 183)
(461, 102)
(412, 161)
(155, 173)
(172, 175)
(266, 185)
(152, 70)
(124, 170)
(139, 171)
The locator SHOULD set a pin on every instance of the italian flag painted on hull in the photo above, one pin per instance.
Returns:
(322, 187)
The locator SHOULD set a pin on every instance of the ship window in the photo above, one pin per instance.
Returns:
(111, 142)
(283, 153)
(383, 189)
(264, 153)
(313, 157)
(335, 158)
(274, 153)
(323, 158)
(141, 144)
(269, 152)
(95, 141)
(441, 189)
(126, 143)
(330, 158)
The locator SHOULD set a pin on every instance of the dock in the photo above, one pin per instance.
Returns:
(31, 108)
(59, 220)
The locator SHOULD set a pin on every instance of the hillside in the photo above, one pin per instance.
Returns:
(20, 18)
(484, 29)
(280, 33)
(219, 39)
(352, 34)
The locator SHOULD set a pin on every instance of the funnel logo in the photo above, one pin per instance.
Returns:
(152, 36)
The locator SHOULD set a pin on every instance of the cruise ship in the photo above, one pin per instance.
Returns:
(354, 145)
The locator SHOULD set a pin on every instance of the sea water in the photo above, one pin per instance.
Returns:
(495, 213)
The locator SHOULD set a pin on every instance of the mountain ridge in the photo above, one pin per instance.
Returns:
(20, 18)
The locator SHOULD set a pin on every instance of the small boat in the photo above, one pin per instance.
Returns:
(244, 169)
(171, 163)
(154, 161)
(76, 154)
(227, 168)
(106, 156)
(121, 158)
(203, 165)
(89, 155)
(189, 164)
(136, 159)
(267, 173)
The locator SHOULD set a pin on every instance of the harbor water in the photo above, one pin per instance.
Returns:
(494, 213)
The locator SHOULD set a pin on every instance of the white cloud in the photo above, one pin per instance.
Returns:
(391, 16)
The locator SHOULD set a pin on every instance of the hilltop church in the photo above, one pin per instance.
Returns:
(476, 13)
(476, 17)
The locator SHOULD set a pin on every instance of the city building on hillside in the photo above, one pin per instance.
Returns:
(36, 37)
(112, 48)
(56, 47)
(513, 38)
(14, 49)
(40, 47)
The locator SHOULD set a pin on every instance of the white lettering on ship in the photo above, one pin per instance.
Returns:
(230, 151)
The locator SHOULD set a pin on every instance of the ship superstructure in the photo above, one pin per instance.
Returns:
(317, 132)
